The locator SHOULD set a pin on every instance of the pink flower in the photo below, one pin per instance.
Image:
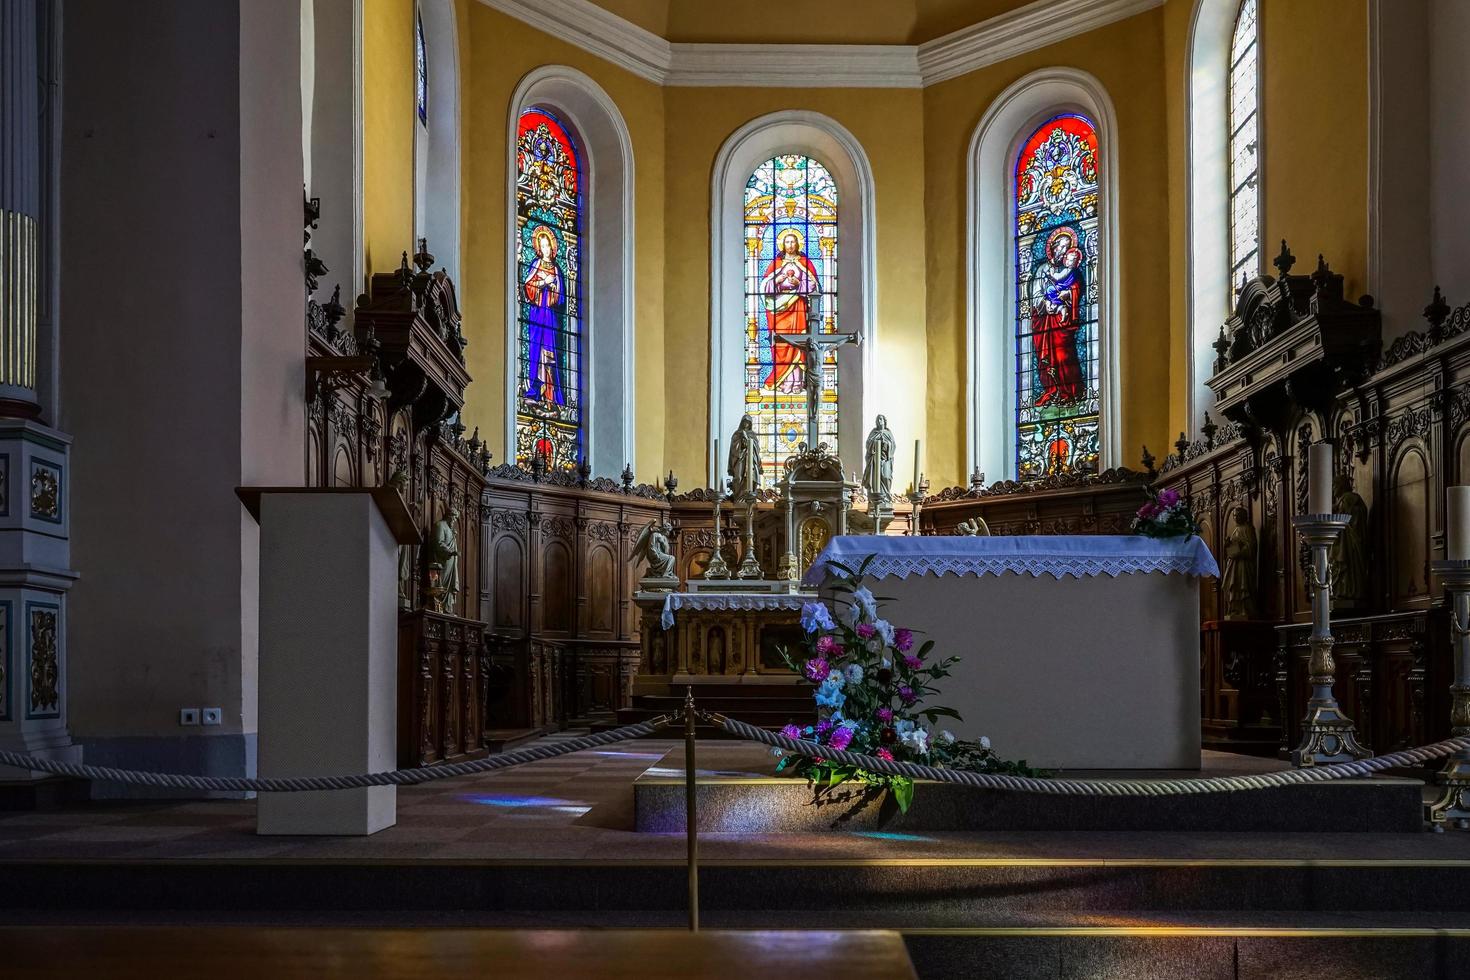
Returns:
(902, 640)
(828, 646)
(906, 695)
(1148, 511)
(912, 662)
(791, 731)
(884, 754)
(817, 670)
(1169, 497)
(841, 738)
(885, 715)
(866, 630)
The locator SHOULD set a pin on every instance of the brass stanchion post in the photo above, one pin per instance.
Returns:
(691, 822)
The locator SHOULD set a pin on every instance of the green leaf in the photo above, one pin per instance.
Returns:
(934, 713)
(924, 648)
(903, 792)
(838, 778)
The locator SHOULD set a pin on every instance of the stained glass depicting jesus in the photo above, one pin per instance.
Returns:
(790, 287)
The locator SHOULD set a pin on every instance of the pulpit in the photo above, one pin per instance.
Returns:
(1078, 652)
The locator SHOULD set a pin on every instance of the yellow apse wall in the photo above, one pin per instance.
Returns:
(1314, 118)
(1127, 58)
(387, 132)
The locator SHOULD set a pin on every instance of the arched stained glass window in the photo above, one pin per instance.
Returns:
(421, 71)
(1245, 234)
(1057, 290)
(790, 293)
(548, 244)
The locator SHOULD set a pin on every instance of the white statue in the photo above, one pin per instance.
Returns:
(975, 527)
(653, 547)
(878, 464)
(745, 461)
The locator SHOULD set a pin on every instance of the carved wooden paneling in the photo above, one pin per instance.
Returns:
(602, 579)
(1409, 529)
(440, 709)
(557, 594)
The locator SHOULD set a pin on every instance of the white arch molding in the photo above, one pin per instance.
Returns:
(830, 144)
(1210, 297)
(990, 277)
(437, 145)
(607, 257)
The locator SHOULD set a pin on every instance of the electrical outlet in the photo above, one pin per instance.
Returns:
(188, 716)
(211, 716)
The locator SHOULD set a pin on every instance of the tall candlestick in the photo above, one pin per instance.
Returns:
(1457, 524)
(1319, 478)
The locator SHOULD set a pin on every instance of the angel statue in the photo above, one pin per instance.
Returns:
(653, 548)
(975, 527)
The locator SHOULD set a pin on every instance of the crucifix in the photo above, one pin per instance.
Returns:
(814, 348)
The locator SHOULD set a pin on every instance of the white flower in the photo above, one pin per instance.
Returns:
(874, 645)
(915, 738)
(864, 607)
(984, 741)
(885, 631)
(903, 727)
(778, 753)
(947, 737)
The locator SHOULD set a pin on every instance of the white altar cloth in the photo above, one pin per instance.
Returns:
(724, 601)
(1078, 652)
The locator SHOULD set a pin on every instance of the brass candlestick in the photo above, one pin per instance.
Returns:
(1328, 735)
(717, 569)
(749, 567)
(1453, 780)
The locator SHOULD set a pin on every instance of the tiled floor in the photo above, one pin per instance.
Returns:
(580, 807)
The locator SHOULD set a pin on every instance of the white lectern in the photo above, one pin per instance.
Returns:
(328, 651)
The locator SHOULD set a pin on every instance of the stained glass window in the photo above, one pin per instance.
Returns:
(1245, 235)
(421, 71)
(1057, 288)
(548, 244)
(790, 292)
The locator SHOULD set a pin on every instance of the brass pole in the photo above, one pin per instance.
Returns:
(691, 820)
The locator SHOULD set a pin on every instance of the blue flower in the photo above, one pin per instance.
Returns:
(829, 694)
(854, 673)
(814, 616)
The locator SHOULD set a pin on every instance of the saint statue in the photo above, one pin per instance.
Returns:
(1057, 295)
(790, 287)
(745, 461)
(653, 547)
(1349, 559)
(444, 551)
(545, 295)
(878, 463)
(1239, 581)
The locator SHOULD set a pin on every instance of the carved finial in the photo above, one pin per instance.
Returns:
(670, 483)
(1222, 350)
(584, 472)
(405, 274)
(333, 311)
(538, 466)
(1285, 260)
(1148, 463)
(1209, 429)
(1322, 275)
(422, 258)
(627, 477)
(474, 443)
(977, 479)
(1436, 313)
(1181, 444)
(485, 457)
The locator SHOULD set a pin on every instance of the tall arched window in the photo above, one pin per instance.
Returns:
(790, 292)
(1245, 234)
(1057, 291)
(421, 71)
(548, 247)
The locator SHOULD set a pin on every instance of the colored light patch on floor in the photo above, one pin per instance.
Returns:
(890, 835)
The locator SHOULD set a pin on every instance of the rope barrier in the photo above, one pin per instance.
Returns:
(303, 784)
(1096, 787)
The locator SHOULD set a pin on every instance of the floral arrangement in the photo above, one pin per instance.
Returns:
(1165, 515)
(871, 684)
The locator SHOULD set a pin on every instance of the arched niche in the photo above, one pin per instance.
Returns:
(607, 342)
(825, 140)
(990, 308)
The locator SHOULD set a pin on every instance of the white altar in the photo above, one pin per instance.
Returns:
(1078, 651)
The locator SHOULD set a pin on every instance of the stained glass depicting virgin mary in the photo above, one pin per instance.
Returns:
(545, 292)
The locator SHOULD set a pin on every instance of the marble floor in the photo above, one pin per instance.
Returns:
(579, 807)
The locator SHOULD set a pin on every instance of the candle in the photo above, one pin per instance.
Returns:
(916, 466)
(1319, 478)
(716, 466)
(1457, 524)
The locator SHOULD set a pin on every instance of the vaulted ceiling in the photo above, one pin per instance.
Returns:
(807, 21)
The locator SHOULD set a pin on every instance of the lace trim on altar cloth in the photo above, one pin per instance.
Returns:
(727, 603)
(1060, 557)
